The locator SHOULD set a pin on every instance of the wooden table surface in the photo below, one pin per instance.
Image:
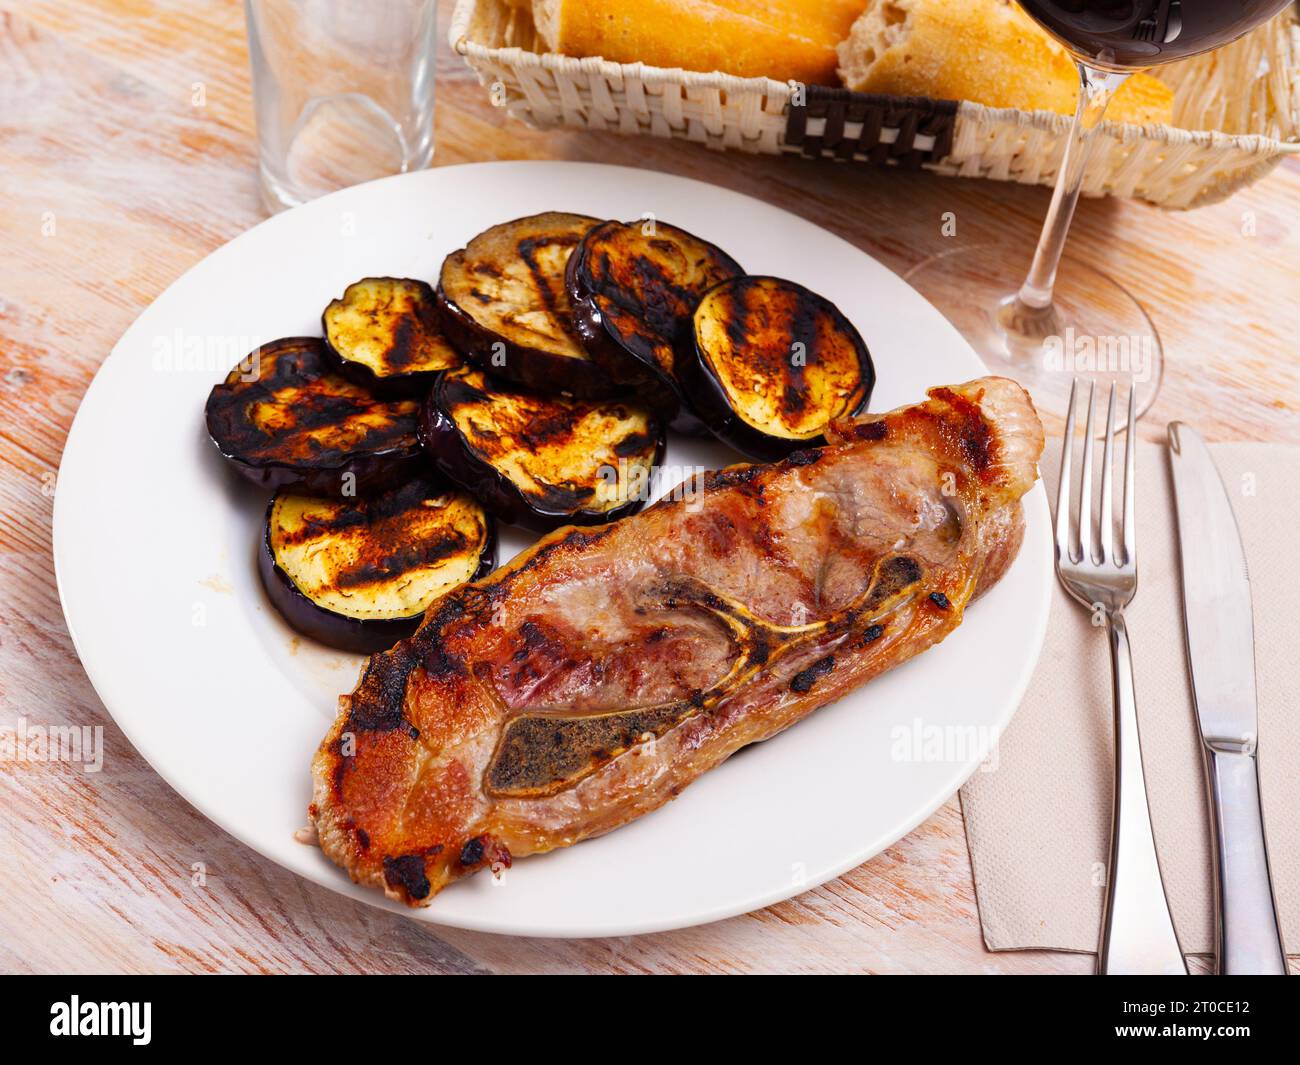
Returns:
(114, 182)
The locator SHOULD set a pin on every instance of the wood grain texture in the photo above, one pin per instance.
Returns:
(114, 183)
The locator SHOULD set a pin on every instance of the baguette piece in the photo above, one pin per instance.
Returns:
(988, 51)
(781, 39)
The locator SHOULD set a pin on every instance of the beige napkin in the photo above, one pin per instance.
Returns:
(1038, 824)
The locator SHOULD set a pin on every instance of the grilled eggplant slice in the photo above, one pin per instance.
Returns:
(386, 333)
(505, 305)
(633, 286)
(774, 364)
(359, 574)
(285, 418)
(540, 461)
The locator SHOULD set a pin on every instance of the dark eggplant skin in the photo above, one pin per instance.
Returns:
(625, 374)
(509, 254)
(418, 335)
(453, 455)
(355, 635)
(709, 395)
(388, 456)
(528, 367)
(632, 315)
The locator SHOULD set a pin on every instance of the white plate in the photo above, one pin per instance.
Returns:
(154, 549)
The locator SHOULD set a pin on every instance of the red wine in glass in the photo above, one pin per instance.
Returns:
(1064, 318)
(1115, 35)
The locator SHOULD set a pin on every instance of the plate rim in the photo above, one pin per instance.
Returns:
(336, 879)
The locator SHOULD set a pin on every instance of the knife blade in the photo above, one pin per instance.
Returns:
(1216, 594)
(1220, 642)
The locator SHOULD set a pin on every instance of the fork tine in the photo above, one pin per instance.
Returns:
(1130, 480)
(1085, 482)
(1106, 523)
(1063, 482)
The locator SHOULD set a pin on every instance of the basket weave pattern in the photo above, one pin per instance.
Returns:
(1237, 114)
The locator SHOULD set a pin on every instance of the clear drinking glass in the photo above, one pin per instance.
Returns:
(1059, 317)
(343, 91)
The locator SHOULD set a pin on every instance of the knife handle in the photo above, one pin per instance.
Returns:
(1248, 938)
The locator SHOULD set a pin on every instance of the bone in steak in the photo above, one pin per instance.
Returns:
(591, 679)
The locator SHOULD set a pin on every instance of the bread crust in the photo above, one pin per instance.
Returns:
(781, 39)
(987, 51)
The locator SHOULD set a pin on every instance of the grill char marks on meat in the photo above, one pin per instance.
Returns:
(541, 754)
(591, 679)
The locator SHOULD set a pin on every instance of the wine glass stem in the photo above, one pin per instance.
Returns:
(1096, 87)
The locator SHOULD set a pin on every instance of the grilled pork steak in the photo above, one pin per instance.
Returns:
(592, 678)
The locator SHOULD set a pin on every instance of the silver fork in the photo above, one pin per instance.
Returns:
(1137, 932)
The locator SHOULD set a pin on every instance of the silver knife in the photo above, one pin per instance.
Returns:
(1221, 658)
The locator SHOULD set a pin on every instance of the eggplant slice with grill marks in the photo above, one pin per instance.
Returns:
(506, 307)
(386, 334)
(634, 286)
(773, 365)
(540, 461)
(358, 574)
(286, 418)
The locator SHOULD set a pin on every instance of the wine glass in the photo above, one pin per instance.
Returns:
(1065, 318)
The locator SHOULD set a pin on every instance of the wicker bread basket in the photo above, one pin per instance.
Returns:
(1236, 113)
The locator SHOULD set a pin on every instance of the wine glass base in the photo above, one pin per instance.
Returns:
(1095, 330)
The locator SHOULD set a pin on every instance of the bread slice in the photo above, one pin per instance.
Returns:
(988, 51)
(781, 39)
